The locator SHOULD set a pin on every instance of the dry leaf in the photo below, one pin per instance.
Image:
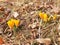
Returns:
(1, 40)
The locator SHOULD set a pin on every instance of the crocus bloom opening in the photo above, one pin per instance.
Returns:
(13, 22)
(43, 16)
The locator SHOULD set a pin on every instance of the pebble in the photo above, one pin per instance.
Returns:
(15, 14)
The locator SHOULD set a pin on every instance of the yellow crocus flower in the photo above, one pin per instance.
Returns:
(13, 22)
(43, 16)
(10, 24)
(16, 22)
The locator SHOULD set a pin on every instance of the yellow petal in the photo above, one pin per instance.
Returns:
(12, 20)
(10, 24)
(16, 22)
(41, 15)
(45, 17)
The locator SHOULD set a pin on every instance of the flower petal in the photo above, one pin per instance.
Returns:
(45, 17)
(10, 24)
(16, 22)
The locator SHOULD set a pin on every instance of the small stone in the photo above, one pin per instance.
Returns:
(15, 14)
(32, 12)
(33, 25)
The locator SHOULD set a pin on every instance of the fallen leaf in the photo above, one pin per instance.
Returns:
(1, 40)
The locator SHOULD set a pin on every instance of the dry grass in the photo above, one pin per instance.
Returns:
(31, 27)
